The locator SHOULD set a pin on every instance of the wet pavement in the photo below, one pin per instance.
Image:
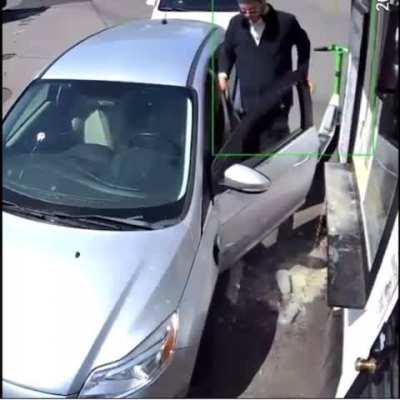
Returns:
(248, 352)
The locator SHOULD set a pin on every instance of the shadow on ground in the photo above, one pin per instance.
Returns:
(238, 336)
(15, 14)
(236, 342)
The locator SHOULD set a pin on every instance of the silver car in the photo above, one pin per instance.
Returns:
(125, 194)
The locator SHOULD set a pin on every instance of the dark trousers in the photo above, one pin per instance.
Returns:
(268, 131)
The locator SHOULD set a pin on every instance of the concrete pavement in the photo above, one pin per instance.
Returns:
(35, 32)
(249, 350)
(326, 22)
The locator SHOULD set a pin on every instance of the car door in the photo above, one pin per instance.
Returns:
(288, 163)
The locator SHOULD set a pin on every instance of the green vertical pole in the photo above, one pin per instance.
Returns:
(339, 56)
(338, 78)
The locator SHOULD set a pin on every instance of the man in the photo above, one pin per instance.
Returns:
(259, 42)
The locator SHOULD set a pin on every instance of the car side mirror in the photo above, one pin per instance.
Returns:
(388, 77)
(245, 179)
(151, 2)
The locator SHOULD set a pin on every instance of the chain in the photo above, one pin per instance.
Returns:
(319, 230)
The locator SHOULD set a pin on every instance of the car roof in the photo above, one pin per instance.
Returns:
(147, 51)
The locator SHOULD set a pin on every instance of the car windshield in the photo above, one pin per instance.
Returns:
(198, 5)
(104, 148)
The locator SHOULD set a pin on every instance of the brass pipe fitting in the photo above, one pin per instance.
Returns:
(369, 365)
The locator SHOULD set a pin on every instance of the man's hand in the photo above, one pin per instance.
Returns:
(311, 85)
(223, 83)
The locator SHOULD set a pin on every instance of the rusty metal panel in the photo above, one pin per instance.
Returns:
(347, 266)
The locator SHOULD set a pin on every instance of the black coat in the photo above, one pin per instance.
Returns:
(259, 67)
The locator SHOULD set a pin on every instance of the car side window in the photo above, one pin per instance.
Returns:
(264, 131)
(215, 121)
(234, 92)
(219, 124)
(38, 99)
(212, 128)
(277, 123)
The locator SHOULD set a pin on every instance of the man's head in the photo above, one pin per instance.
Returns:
(252, 9)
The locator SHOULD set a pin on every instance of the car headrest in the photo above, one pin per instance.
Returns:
(97, 129)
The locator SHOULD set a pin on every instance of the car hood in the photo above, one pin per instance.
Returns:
(75, 298)
(219, 18)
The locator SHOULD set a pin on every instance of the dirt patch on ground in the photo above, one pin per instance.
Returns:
(249, 349)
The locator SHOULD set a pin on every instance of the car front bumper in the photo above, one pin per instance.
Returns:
(173, 382)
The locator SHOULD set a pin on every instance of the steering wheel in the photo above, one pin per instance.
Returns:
(152, 140)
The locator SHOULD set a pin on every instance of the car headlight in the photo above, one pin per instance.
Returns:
(136, 370)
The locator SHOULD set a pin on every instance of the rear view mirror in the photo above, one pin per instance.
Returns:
(240, 177)
(388, 77)
(151, 2)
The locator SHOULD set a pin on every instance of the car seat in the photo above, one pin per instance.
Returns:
(96, 129)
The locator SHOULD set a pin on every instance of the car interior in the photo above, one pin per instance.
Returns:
(133, 140)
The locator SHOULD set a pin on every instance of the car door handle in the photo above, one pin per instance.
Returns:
(304, 160)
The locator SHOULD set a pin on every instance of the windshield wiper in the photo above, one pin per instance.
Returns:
(130, 222)
(124, 223)
(8, 205)
(37, 214)
(80, 220)
(169, 8)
